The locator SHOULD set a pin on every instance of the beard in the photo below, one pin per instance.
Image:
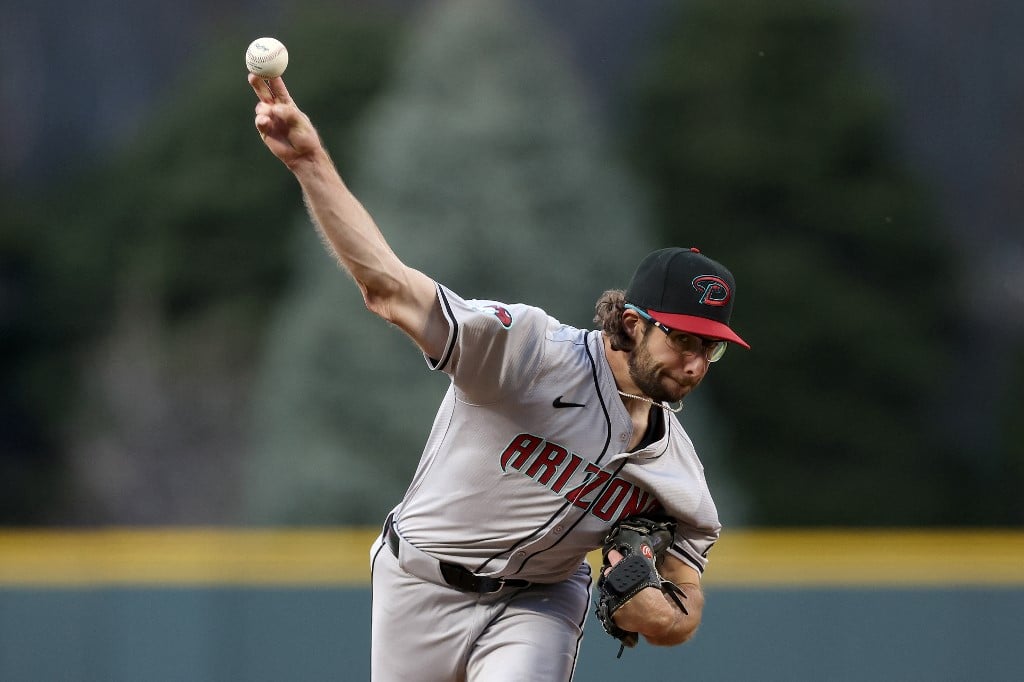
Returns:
(646, 374)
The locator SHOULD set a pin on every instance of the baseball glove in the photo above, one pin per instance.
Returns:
(642, 541)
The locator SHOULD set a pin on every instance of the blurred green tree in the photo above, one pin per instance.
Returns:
(1004, 480)
(35, 360)
(484, 167)
(770, 149)
(147, 283)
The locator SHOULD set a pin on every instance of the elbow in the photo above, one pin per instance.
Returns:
(376, 304)
(685, 634)
(392, 291)
(673, 635)
(379, 298)
(679, 626)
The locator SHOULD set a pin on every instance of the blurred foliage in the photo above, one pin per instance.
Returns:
(44, 311)
(484, 167)
(193, 217)
(190, 222)
(770, 150)
(146, 303)
(1005, 477)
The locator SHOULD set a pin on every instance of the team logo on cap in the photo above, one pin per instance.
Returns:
(713, 290)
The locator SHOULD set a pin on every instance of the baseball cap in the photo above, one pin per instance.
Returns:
(685, 290)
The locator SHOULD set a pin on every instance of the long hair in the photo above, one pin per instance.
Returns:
(608, 317)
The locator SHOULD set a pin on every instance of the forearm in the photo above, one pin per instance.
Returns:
(395, 292)
(349, 230)
(655, 615)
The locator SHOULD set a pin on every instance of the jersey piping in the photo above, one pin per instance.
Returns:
(453, 325)
(561, 510)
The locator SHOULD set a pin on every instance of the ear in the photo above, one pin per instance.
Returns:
(632, 324)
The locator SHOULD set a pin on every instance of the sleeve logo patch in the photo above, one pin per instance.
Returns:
(500, 312)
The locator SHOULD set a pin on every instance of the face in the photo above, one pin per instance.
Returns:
(659, 370)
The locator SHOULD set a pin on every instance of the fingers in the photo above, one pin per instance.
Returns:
(270, 90)
(280, 91)
(285, 130)
(261, 88)
(264, 122)
(614, 557)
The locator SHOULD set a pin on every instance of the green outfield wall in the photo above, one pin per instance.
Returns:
(223, 605)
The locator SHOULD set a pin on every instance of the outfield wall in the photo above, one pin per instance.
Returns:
(253, 605)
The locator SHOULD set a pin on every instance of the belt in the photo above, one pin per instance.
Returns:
(456, 576)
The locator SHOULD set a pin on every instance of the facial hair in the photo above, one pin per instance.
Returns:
(644, 372)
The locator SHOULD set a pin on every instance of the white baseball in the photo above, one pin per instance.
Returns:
(266, 57)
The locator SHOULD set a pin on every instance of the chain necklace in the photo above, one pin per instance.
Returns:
(677, 409)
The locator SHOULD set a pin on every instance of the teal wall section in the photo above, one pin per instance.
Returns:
(232, 634)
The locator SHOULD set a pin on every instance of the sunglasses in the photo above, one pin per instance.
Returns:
(686, 344)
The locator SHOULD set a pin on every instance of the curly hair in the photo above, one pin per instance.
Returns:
(608, 317)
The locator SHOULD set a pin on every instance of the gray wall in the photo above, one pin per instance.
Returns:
(217, 634)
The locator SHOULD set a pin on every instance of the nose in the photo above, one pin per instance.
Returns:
(695, 364)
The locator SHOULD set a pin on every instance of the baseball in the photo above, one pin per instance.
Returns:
(266, 57)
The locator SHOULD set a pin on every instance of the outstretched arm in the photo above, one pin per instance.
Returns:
(401, 295)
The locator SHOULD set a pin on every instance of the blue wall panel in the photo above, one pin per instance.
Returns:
(275, 634)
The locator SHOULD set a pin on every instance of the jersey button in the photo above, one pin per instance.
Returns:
(519, 555)
(623, 437)
(558, 528)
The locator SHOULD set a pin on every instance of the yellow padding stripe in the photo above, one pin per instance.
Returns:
(340, 557)
(852, 558)
(185, 556)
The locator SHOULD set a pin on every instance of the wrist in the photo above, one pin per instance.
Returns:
(311, 163)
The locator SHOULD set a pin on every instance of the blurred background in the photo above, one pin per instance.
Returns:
(179, 350)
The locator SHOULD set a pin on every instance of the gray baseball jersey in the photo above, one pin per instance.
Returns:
(523, 472)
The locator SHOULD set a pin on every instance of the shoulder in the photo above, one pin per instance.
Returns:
(498, 317)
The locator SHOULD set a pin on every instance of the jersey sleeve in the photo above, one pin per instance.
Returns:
(687, 499)
(692, 545)
(494, 349)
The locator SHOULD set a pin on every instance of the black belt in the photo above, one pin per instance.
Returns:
(456, 576)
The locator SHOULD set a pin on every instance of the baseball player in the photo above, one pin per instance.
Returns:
(548, 438)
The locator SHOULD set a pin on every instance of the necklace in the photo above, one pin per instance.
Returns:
(663, 405)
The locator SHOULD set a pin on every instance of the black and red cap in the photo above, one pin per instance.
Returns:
(685, 290)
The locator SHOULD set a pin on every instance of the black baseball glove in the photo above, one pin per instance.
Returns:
(642, 541)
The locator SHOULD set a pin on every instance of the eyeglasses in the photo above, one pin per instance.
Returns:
(686, 344)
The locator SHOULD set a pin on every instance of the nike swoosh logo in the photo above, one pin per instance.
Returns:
(558, 403)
